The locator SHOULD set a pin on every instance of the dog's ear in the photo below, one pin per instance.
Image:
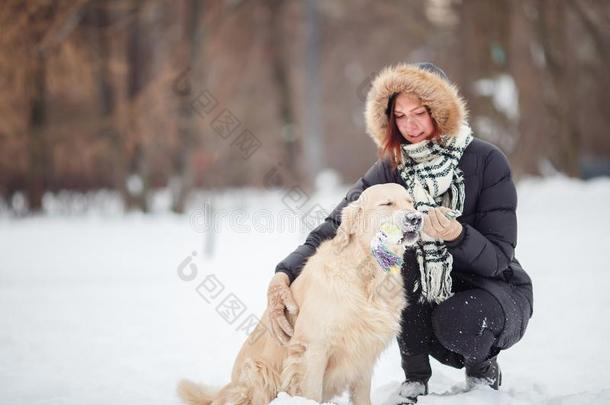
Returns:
(349, 223)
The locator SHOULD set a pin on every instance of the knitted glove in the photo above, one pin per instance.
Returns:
(441, 224)
(279, 298)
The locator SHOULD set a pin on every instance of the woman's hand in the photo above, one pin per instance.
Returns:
(439, 226)
(279, 298)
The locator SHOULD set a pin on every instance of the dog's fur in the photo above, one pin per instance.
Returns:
(349, 311)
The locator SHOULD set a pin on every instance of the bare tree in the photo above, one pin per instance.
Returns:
(280, 68)
(139, 71)
(31, 33)
(183, 176)
(563, 128)
(486, 57)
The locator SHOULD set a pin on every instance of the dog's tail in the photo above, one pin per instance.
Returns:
(195, 394)
(258, 384)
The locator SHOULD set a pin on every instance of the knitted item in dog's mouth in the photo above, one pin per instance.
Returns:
(388, 233)
(451, 214)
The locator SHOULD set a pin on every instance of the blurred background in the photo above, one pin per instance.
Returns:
(137, 96)
(151, 150)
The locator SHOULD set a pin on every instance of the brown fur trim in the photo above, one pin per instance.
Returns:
(442, 98)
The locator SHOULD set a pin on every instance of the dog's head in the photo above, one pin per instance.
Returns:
(385, 208)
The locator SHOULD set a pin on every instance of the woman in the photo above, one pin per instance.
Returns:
(468, 296)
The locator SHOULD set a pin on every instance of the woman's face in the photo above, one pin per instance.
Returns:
(412, 118)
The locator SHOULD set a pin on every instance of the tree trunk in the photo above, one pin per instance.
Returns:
(37, 156)
(560, 102)
(183, 177)
(279, 66)
(137, 180)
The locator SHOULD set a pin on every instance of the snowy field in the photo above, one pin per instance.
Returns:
(97, 308)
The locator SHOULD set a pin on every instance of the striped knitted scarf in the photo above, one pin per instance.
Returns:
(430, 171)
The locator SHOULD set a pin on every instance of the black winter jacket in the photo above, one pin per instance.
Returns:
(483, 254)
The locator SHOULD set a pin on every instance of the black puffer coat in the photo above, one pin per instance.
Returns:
(483, 255)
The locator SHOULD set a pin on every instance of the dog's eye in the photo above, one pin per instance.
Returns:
(387, 203)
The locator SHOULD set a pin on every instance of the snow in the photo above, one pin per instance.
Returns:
(93, 310)
(503, 92)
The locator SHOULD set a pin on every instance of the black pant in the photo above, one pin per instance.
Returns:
(462, 329)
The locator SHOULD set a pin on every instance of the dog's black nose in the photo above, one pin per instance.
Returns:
(414, 219)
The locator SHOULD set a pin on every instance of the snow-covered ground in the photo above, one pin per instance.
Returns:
(98, 308)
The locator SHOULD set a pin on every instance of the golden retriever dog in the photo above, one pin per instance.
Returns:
(349, 311)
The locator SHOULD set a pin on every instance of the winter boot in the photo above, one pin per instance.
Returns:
(409, 391)
(417, 373)
(484, 373)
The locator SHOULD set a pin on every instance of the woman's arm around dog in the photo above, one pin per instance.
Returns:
(279, 296)
(379, 173)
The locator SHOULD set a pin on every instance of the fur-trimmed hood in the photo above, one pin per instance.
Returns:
(437, 93)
